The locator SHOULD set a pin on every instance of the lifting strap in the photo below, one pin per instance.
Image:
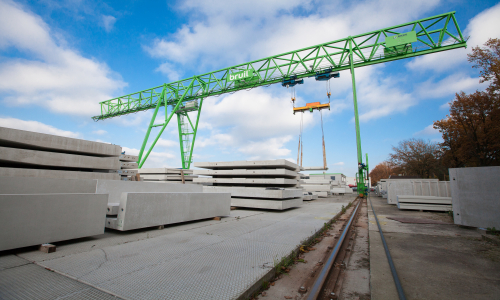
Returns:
(323, 135)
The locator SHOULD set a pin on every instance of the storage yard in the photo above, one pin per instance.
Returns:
(85, 219)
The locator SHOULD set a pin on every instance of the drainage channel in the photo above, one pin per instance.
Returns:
(327, 283)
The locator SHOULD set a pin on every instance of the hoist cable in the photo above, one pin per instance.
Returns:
(323, 136)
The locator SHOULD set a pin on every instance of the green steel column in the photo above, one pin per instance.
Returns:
(361, 182)
(195, 130)
(180, 140)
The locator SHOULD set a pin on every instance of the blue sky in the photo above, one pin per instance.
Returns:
(59, 59)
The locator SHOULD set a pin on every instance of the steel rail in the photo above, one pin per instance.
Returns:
(399, 288)
(319, 282)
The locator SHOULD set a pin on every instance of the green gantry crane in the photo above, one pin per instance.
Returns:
(425, 36)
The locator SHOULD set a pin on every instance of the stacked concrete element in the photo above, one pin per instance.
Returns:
(271, 184)
(164, 175)
(416, 187)
(134, 205)
(31, 154)
(475, 196)
(34, 211)
(326, 184)
(424, 203)
(128, 167)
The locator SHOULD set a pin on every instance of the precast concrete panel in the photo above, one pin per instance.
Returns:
(34, 185)
(53, 159)
(33, 140)
(475, 196)
(250, 172)
(162, 171)
(266, 204)
(434, 207)
(34, 219)
(56, 174)
(140, 210)
(249, 192)
(115, 188)
(316, 188)
(167, 177)
(424, 199)
(277, 163)
(277, 181)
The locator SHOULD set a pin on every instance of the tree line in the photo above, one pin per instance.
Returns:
(470, 132)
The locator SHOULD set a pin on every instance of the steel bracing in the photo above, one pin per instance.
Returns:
(433, 34)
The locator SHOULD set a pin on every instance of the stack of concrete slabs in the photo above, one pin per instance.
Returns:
(424, 203)
(166, 175)
(271, 184)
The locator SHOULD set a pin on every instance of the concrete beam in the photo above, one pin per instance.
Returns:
(33, 185)
(140, 210)
(56, 174)
(260, 164)
(248, 173)
(28, 220)
(115, 188)
(40, 141)
(52, 159)
(266, 204)
(315, 168)
(252, 192)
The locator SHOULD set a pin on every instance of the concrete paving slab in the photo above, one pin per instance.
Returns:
(266, 204)
(56, 174)
(206, 264)
(140, 210)
(115, 188)
(250, 192)
(260, 164)
(251, 172)
(48, 142)
(33, 185)
(45, 218)
(52, 159)
(272, 181)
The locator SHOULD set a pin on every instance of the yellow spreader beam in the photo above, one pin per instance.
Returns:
(311, 106)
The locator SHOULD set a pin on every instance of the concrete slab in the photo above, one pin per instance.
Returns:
(316, 188)
(423, 199)
(56, 174)
(415, 206)
(128, 165)
(475, 196)
(307, 197)
(33, 185)
(321, 194)
(315, 168)
(271, 181)
(249, 173)
(48, 142)
(132, 158)
(250, 192)
(113, 209)
(395, 187)
(167, 177)
(140, 210)
(46, 218)
(115, 188)
(266, 204)
(317, 181)
(260, 164)
(338, 190)
(51, 159)
(163, 171)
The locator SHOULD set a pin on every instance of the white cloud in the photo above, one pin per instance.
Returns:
(157, 159)
(272, 148)
(167, 143)
(448, 86)
(54, 76)
(169, 70)
(36, 126)
(483, 26)
(108, 22)
(339, 163)
(99, 132)
(427, 131)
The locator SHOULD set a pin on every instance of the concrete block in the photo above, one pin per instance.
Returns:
(51, 159)
(266, 204)
(434, 207)
(273, 181)
(115, 188)
(28, 220)
(251, 192)
(56, 174)
(128, 165)
(140, 210)
(112, 209)
(34, 185)
(475, 196)
(248, 173)
(423, 199)
(277, 163)
(131, 158)
(163, 171)
(48, 142)
(316, 188)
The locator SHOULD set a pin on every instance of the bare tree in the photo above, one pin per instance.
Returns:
(417, 157)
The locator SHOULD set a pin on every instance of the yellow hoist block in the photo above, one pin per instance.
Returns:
(311, 107)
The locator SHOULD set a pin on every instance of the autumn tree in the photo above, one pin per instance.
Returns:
(416, 157)
(383, 170)
(471, 132)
